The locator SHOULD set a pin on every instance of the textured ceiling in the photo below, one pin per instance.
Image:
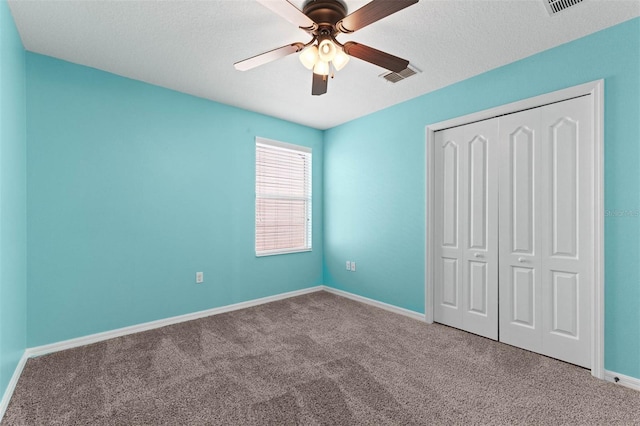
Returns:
(190, 46)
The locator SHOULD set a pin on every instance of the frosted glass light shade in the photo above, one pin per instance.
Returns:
(327, 50)
(321, 68)
(309, 56)
(340, 60)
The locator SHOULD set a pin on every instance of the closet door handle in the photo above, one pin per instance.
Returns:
(477, 255)
(522, 259)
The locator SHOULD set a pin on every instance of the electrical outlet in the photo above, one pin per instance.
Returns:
(199, 277)
(348, 265)
(353, 266)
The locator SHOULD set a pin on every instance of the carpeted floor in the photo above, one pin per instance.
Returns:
(314, 359)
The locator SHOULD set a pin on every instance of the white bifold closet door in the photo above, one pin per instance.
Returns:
(546, 235)
(467, 228)
(514, 204)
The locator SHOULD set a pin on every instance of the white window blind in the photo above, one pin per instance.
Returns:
(283, 198)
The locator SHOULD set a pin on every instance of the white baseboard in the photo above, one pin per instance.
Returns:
(4, 403)
(626, 381)
(387, 307)
(98, 337)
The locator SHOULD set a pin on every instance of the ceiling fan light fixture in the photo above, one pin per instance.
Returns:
(340, 60)
(321, 68)
(309, 56)
(327, 50)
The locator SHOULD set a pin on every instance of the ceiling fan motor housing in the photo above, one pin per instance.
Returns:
(326, 13)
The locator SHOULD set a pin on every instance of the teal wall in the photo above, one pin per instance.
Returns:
(133, 188)
(13, 217)
(375, 179)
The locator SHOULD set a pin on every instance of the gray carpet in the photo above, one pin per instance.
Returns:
(314, 359)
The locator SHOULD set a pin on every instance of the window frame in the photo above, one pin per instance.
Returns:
(307, 198)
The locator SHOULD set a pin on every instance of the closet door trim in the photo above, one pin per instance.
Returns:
(596, 90)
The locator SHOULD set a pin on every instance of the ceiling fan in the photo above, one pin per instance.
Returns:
(324, 20)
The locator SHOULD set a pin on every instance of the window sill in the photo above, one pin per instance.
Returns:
(277, 252)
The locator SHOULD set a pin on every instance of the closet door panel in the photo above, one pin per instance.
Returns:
(523, 289)
(450, 283)
(478, 283)
(448, 264)
(520, 280)
(478, 192)
(466, 285)
(450, 193)
(522, 178)
(562, 171)
(480, 271)
(567, 240)
(564, 312)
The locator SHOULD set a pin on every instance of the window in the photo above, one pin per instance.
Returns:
(283, 198)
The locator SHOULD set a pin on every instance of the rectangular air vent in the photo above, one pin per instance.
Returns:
(395, 77)
(555, 6)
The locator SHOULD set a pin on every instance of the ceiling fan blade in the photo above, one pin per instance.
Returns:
(320, 83)
(291, 13)
(269, 56)
(372, 12)
(375, 56)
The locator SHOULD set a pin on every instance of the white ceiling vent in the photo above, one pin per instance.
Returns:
(555, 6)
(395, 77)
